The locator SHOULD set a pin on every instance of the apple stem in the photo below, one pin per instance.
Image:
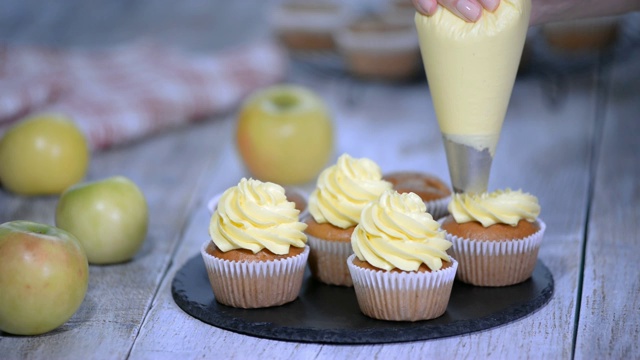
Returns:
(284, 101)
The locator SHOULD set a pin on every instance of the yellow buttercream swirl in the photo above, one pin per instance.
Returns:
(397, 232)
(500, 206)
(255, 215)
(344, 189)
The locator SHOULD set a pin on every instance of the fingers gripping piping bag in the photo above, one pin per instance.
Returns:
(471, 69)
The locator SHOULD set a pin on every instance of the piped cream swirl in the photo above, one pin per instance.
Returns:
(500, 206)
(343, 190)
(255, 215)
(397, 232)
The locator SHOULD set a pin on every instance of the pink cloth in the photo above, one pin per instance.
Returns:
(121, 94)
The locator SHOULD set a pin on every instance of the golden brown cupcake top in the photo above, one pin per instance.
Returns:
(498, 207)
(496, 232)
(256, 215)
(240, 255)
(326, 231)
(428, 187)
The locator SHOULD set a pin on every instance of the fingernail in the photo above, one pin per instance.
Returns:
(491, 5)
(470, 10)
(426, 6)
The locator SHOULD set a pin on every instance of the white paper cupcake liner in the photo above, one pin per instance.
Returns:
(438, 208)
(402, 296)
(255, 284)
(496, 263)
(328, 261)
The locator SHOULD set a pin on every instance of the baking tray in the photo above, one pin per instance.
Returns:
(330, 314)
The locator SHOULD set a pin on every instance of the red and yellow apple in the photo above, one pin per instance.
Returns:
(109, 217)
(284, 134)
(44, 276)
(43, 155)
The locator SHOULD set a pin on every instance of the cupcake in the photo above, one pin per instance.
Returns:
(308, 26)
(379, 49)
(342, 191)
(496, 236)
(257, 254)
(433, 191)
(582, 35)
(400, 268)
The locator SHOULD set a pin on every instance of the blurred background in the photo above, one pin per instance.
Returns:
(371, 42)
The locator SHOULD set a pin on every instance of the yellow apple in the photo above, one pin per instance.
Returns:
(285, 134)
(109, 217)
(44, 276)
(42, 155)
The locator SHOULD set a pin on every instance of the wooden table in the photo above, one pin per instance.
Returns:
(572, 140)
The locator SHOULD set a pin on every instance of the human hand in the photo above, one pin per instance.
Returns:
(468, 10)
(542, 11)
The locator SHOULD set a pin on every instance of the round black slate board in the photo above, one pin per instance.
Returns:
(330, 314)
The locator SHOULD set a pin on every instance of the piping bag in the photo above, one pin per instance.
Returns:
(471, 69)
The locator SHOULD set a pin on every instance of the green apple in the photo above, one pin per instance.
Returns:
(44, 276)
(43, 155)
(284, 134)
(109, 217)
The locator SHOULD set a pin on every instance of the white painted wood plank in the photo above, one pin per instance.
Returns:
(609, 325)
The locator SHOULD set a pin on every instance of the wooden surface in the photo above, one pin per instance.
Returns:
(571, 140)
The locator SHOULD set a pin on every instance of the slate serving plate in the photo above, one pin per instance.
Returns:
(330, 314)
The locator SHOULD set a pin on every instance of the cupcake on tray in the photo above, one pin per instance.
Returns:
(433, 191)
(257, 254)
(400, 268)
(496, 236)
(342, 191)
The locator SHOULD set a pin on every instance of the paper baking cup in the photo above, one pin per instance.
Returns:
(328, 261)
(496, 263)
(402, 296)
(256, 284)
(438, 208)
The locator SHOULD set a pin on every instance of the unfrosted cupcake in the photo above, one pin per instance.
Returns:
(257, 254)
(342, 191)
(582, 35)
(376, 48)
(401, 270)
(496, 236)
(433, 191)
(308, 25)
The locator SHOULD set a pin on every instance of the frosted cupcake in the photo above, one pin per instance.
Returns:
(342, 191)
(433, 191)
(496, 236)
(401, 270)
(257, 254)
